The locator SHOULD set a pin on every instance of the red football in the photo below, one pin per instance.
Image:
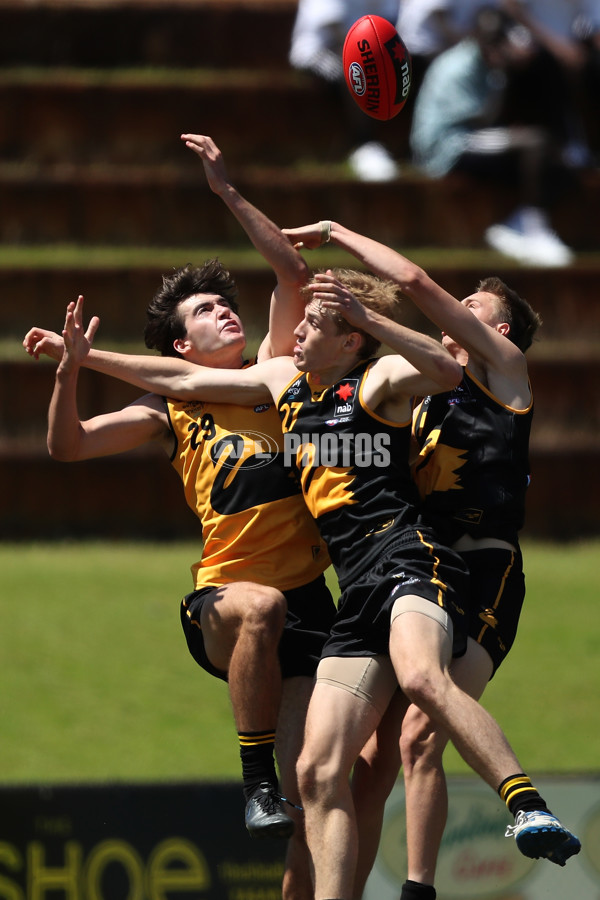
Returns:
(377, 67)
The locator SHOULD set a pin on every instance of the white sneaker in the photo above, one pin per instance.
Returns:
(540, 834)
(527, 236)
(508, 241)
(548, 250)
(372, 162)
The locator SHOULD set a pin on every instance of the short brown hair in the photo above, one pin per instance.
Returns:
(375, 293)
(523, 320)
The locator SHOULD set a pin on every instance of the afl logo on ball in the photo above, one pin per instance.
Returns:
(356, 78)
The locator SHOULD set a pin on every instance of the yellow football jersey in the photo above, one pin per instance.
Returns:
(255, 525)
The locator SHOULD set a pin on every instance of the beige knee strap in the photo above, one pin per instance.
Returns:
(371, 678)
(425, 608)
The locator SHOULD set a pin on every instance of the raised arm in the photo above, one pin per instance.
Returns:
(182, 380)
(69, 438)
(290, 269)
(438, 305)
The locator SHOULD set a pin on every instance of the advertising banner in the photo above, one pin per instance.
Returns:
(188, 842)
(133, 842)
(476, 860)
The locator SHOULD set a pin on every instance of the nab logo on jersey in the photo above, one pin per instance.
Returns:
(461, 394)
(294, 389)
(345, 392)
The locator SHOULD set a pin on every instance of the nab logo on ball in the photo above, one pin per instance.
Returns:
(377, 67)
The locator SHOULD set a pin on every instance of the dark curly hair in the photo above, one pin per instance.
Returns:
(164, 324)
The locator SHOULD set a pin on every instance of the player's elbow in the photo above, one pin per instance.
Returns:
(297, 274)
(414, 280)
(190, 387)
(60, 455)
(450, 373)
(59, 451)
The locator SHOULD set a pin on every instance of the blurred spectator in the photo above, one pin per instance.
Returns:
(456, 128)
(428, 27)
(316, 47)
(562, 81)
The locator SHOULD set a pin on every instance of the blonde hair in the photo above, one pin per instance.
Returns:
(373, 292)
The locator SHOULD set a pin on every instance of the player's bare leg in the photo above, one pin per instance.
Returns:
(297, 877)
(420, 650)
(338, 725)
(242, 625)
(374, 775)
(422, 747)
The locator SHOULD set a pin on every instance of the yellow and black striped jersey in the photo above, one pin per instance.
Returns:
(255, 525)
(472, 469)
(353, 466)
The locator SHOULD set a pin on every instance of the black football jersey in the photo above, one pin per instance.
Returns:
(353, 467)
(472, 468)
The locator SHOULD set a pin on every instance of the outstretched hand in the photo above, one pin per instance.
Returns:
(77, 342)
(329, 293)
(212, 160)
(41, 342)
(309, 236)
(73, 341)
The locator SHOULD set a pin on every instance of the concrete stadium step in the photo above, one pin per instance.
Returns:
(136, 116)
(151, 32)
(567, 299)
(133, 496)
(172, 205)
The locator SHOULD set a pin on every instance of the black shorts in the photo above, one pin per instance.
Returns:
(309, 617)
(496, 591)
(409, 565)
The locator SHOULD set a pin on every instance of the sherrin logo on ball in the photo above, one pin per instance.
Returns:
(377, 67)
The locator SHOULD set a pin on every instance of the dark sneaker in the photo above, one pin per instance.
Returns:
(265, 817)
(564, 851)
(540, 834)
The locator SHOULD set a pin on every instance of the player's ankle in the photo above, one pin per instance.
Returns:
(415, 890)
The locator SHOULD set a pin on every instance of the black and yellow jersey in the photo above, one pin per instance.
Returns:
(353, 466)
(255, 525)
(472, 468)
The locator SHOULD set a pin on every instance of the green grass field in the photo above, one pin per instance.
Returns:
(97, 683)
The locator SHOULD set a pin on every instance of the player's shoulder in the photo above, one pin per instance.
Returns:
(150, 407)
(151, 403)
(146, 417)
(509, 362)
(389, 365)
(282, 365)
